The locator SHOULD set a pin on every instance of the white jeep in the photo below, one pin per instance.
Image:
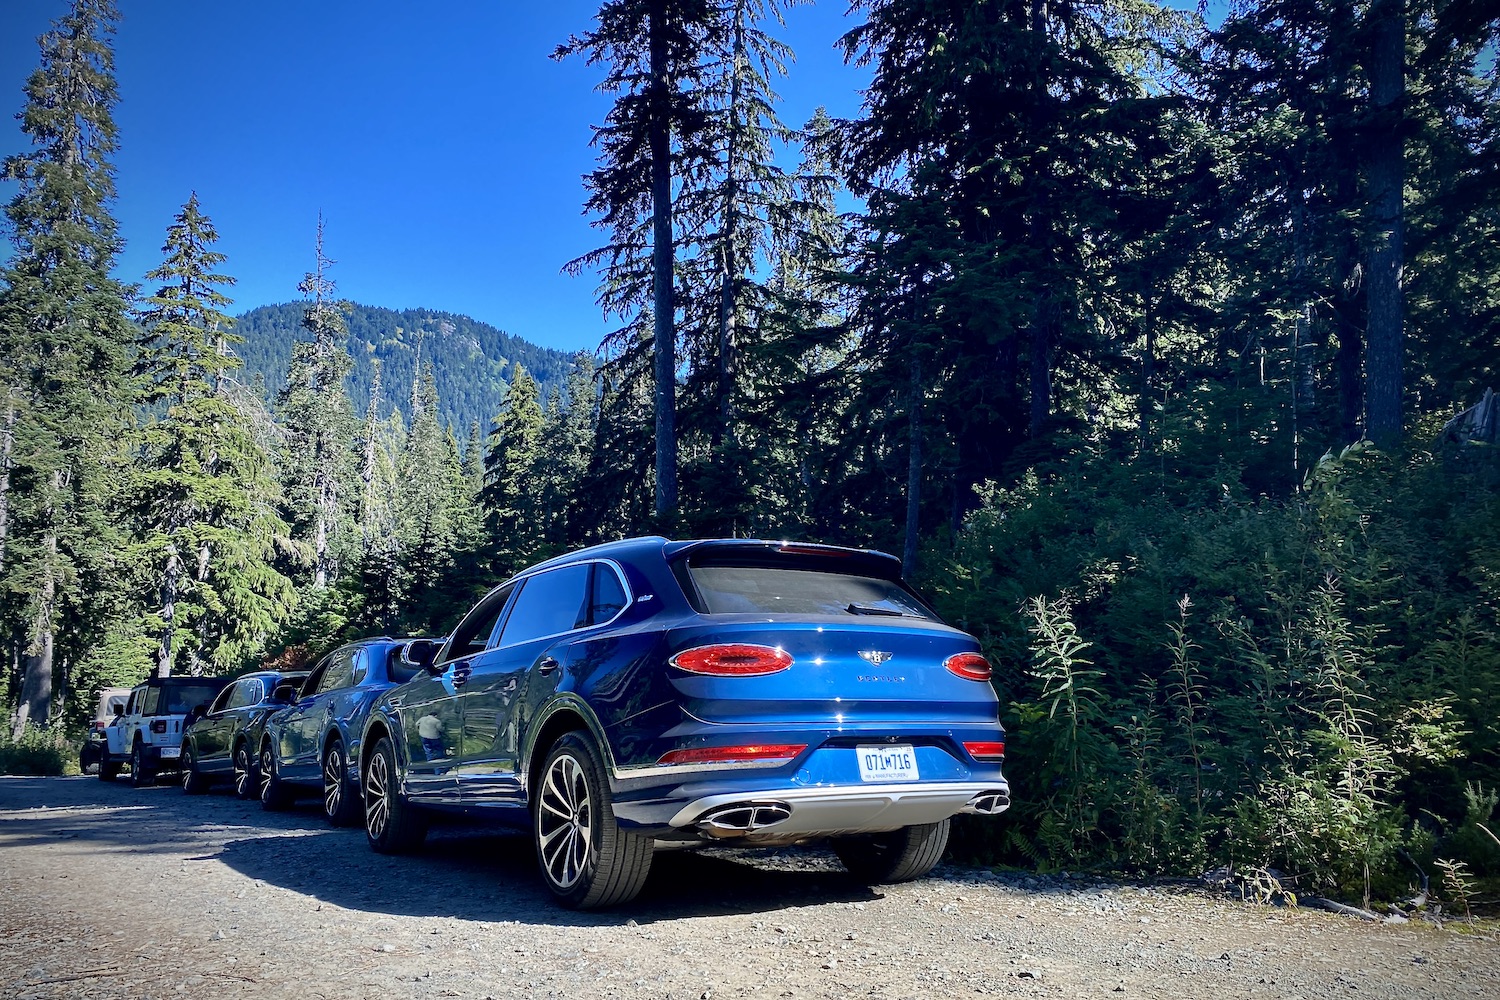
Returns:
(146, 734)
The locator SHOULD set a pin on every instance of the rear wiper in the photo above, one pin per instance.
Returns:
(870, 609)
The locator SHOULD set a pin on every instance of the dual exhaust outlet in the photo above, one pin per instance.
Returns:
(739, 819)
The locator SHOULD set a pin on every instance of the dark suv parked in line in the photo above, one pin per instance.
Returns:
(222, 743)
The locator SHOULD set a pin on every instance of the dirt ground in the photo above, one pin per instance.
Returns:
(108, 891)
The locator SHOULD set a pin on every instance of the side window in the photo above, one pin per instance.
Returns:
(473, 633)
(340, 672)
(134, 705)
(221, 703)
(549, 604)
(245, 693)
(152, 699)
(361, 665)
(314, 681)
(606, 596)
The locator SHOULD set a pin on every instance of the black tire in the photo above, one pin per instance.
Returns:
(393, 825)
(243, 770)
(192, 782)
(140, 774)
(341, 805)
(109, 769)
(898, 856)
(586, 859)
(274, 795)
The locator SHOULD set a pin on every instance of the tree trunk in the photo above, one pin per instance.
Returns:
(1041, 365)
(1384, 336)
(913, 472)
(36, 662)
(664, 330)
(164, 651)
(7, 444)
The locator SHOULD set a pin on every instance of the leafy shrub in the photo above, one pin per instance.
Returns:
(38, 751)
(1200, 677)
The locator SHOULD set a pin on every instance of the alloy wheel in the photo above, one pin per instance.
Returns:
(333, 781)
(186, 775)
(266, 762)
(242, 771)
(565, 816)
(377, 796)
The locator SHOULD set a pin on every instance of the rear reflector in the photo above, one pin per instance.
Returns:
(732, 659)
(969, 665)
(723, 755)
(986, 751)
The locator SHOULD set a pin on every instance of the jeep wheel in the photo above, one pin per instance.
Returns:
(193, 783)
(108, 769)
(274, 795)
(140, 774)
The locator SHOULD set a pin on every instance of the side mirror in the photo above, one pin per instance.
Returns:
(420, 653)
(119, 710)
(284, 693)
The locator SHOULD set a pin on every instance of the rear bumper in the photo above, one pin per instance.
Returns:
(821, 812)
(818, 794)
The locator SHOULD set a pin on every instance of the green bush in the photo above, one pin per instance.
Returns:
(38, 751)
(1199, 677)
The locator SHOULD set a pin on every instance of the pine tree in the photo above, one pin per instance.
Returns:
(320, 426)
(63, 348)
(510, 502)
(655, 135)
(204, 492)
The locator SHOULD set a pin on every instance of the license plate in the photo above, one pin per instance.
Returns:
(889, 763)
(171, 751)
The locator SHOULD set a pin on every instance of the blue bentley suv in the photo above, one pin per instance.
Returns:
(311, 744)
(732, 691)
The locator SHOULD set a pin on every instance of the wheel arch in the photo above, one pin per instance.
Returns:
(565, 714)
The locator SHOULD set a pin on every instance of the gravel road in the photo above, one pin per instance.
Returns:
(108, 891)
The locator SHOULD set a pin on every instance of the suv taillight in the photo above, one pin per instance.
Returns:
(159, 726)
(970, 666)
(732, 659)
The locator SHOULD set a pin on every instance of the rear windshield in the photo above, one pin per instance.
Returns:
(727, 590)
(181, 699)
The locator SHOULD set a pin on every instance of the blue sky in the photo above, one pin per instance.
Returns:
(441, 142)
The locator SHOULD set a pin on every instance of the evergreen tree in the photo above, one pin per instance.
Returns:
(509, 497)
(320, 427)
(64, 342)
(654, 135)
(204, 490)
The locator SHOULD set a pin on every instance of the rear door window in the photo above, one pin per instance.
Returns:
(742, 589)
(550, 603)
(340, 672)
(150, 702)
(607, 596)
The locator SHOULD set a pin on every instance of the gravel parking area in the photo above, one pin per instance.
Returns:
(107, 891)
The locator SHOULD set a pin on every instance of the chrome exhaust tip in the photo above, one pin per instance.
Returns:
(740, 818)
(988, 803)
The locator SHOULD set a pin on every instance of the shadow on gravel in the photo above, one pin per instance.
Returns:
(463, 872)
(472, 875)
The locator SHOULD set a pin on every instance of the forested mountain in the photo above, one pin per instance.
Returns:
(471, 361)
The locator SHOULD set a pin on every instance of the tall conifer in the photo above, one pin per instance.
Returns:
(63, 345)
(205, 494)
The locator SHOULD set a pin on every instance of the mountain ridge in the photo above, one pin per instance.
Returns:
(472, 361)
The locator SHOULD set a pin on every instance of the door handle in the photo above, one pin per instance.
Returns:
(546, 665)
(461, 674)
